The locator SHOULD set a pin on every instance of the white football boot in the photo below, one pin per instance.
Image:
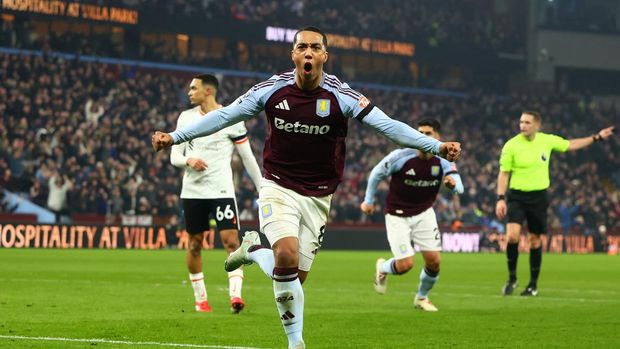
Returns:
(380, 277)
(240, 256)
(424, 304)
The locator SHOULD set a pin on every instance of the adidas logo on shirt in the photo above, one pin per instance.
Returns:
(411, 172)
(283, 105)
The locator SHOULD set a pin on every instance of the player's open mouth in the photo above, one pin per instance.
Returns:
(307, 68)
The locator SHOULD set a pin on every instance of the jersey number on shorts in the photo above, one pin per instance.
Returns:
(320, 240)
(227, 214)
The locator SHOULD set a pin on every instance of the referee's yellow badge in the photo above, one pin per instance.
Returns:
(322, 107)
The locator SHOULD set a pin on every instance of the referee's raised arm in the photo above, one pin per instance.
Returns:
(578, 143)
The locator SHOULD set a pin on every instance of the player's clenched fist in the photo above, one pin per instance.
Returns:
(367, 208)
(450, 151)
(161, 140)
(449, 182)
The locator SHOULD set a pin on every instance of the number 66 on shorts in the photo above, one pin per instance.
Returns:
(199, 211)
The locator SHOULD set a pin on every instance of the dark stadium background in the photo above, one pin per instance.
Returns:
(83, 85)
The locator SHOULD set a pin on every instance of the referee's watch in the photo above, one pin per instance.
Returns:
(501, 197)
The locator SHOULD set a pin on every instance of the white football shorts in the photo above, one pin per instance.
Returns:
(422, 229)
(283, 213)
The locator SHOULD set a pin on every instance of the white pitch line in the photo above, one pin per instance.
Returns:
(101, 340)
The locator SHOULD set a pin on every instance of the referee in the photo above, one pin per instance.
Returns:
(524, 163)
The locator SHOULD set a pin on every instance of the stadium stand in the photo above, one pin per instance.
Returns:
(425, 24)
(90, 123)
(426, 21)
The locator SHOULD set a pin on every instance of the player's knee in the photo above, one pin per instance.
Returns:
(230, 243)
(286, 255)
(433, 266)
(513, 232)
(404, 265)
(534, 241)
(195, 247)
(432, 262)
(512, 238)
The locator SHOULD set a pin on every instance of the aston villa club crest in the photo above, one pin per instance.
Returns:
(266, 211)
(435, 171)
(322, 107)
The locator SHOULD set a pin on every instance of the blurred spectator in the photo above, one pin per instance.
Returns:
(5, 207)
(38, 194)
(566, 213)
(93, 111)
(116, 202)
(57, 199)
(6, 180)
(248, 211)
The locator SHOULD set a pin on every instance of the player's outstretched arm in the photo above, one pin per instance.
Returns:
(579, 143)
(212, 122)
(404, 135)
(380, 172)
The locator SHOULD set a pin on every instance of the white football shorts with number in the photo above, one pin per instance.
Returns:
(285, 213)
(422, 229)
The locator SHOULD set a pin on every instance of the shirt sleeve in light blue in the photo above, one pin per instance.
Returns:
(244, 108)
(392, 163)
(449, 169)
(351, 102)
(400, 133)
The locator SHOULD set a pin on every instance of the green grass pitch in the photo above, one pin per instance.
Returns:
(127, 299)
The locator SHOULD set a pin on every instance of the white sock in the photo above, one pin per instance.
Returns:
(235, 282)
(290, 302)
(426, 283)
(265, 260)
(388, 266)
(198, 284)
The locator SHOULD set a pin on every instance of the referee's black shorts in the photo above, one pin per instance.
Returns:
(531, 206)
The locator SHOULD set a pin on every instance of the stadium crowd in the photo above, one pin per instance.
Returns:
(74, 138)
(425, 23)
